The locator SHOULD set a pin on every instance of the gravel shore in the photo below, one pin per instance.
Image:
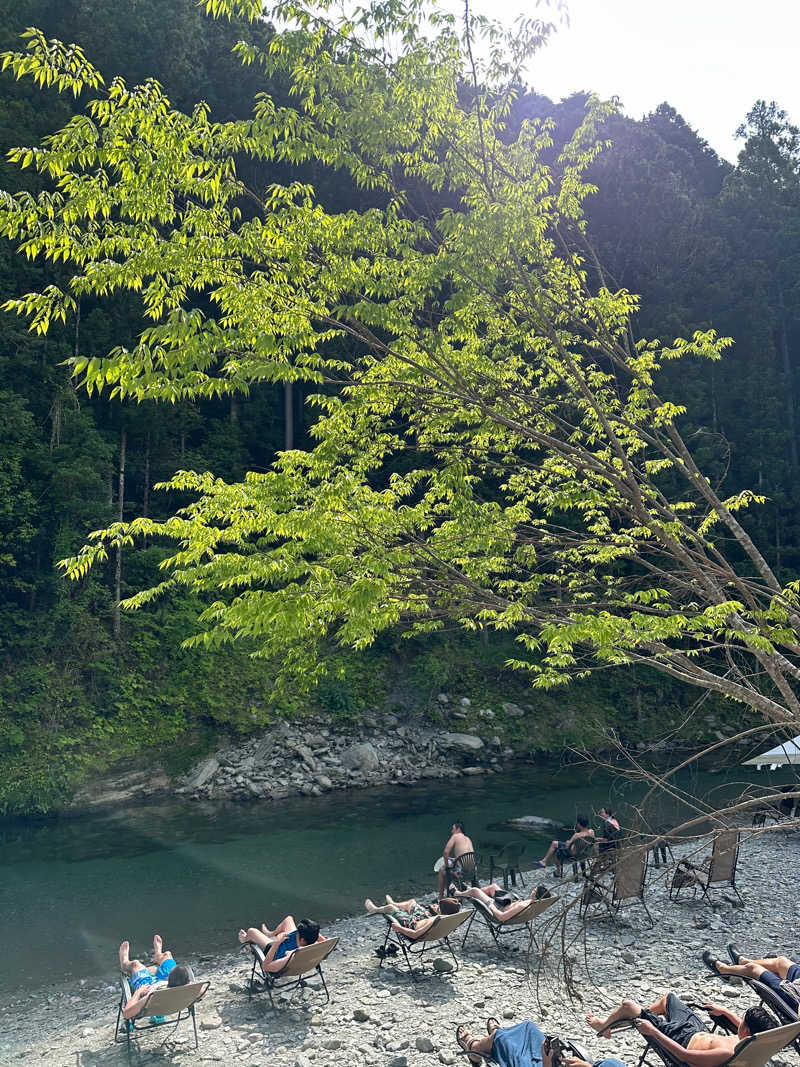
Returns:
(401, 1024)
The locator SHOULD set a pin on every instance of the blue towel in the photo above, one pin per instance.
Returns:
(518, 1046)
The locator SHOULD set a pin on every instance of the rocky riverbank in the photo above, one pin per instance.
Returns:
(378, 1018)
(310, 757)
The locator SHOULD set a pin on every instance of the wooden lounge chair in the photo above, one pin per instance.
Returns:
(616, 879)
(298, 972)
(498, 927)
(720, 873)
(437, 934)
(164, 1007)
(753, 1051)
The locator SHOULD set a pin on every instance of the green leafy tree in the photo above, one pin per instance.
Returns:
(490, 447)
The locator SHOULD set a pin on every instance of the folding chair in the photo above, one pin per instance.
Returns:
(164, 1007)
(508, 864)
(497, 927)
(464, 872)
(438, 933)
(298, 972)
(753, 1051)
(720, 873)
(616, 880)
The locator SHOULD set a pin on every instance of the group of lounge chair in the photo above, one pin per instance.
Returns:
(615, 878)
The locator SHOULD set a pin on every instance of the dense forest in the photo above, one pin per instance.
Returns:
(704, 242)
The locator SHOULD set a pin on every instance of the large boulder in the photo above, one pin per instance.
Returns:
(462, 742)
(204, 773)
(361, 757)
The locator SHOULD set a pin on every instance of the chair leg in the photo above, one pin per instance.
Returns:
(468, 927)
(194, 1024)
(446, 941)
(324, 984)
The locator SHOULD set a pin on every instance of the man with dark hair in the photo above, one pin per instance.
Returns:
(144, 980)
(457, 844)
(279, 944)
(682, 1032)
(563, 851)
(780, 973)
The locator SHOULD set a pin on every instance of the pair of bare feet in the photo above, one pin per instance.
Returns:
(242, 935)
(390, 905)
(125, 949)
(598, 1025)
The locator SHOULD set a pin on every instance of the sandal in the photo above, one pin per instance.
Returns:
(492, 1024)
(467, 1043)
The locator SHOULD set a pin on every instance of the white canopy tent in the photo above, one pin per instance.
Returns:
(785, 753)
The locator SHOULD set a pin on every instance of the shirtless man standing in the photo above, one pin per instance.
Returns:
(681, 1031)
(458, 844)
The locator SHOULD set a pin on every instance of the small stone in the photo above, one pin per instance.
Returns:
(332, 1044)
(302, 1060)
(508, 1013)
(398, 1061)
(447, 1058)
(361, 1015)
(442, 966)
(424, 1044)
(465, 702)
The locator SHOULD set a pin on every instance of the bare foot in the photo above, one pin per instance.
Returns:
(242, 935)
(596, 1024)
(369, 906)
(266, 930)
(124, 950)
(158, 944)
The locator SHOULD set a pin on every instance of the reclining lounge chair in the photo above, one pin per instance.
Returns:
(164, 1007)
(298, 972)
(498, 927)
(612, 884)
(720, 873)
(438, 933)
(750, 1052)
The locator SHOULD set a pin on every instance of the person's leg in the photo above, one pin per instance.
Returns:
(402, 905)
(441, 880)
(475, 893)
(127, 965)
(549, 853)
(285, 926)
(749, 968)
(628, 1009)
(256, 936)
(374, 909)
(469, 1043)
(159, 955)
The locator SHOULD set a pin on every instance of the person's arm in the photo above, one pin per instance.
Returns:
(717, 1009)
(136, 1003)
(710, 1057)
(273, 948)
(448, 848)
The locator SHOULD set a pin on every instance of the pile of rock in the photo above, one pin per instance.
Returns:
(310, 757)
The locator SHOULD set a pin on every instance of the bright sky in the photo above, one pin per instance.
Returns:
(710, 59)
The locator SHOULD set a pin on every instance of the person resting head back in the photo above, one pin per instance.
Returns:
(280, 943)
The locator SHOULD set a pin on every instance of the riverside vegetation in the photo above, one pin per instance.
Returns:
(704, 242)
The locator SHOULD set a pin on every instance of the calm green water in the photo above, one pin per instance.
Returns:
(195, 872)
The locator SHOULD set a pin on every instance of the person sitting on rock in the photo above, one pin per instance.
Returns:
(411, 918)
(521, 1045)
(772, 971)
(682, 1032)
(457, 845)
(145, 980)
(282, 942)
(499, 901)
(562, 851)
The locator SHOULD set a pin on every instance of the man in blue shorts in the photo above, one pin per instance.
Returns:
(278, 944)
(144, 980)
(774, 971)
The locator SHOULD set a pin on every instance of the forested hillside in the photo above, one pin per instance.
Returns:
(705, 243)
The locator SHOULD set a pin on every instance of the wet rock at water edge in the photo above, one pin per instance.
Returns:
(463, 742)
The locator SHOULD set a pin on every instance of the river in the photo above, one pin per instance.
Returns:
(73, 888)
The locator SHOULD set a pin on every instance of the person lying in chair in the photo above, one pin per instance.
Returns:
(772, 971)
(563, 851)
(682, 1032)
(499, 901)
(410, 917)
(521, 1044)
(145, 980)
(279, 944)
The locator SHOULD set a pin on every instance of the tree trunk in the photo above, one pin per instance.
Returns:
(146, 491)
(288, 416)
(118, 569)
(788, 386)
